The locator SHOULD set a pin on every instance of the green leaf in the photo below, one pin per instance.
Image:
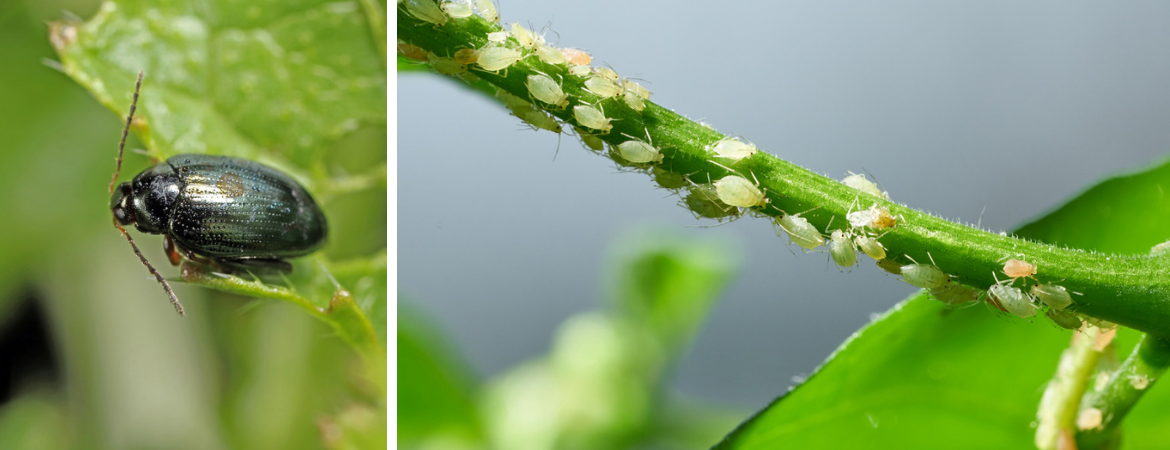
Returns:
(925, 377)
(434, 388)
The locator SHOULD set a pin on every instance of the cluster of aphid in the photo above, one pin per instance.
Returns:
(506, 47)
(728, 197)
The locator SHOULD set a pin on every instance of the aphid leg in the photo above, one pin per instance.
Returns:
(126, 131)
(170, 249)
(163, 281)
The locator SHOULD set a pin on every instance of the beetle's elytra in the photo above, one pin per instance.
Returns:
(227, 212)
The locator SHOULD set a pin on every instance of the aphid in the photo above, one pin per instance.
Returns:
(1139, 382)
(861, 219)
(550, 55)
(494, 59)
(1052, 295)
(800, 231)
(870, 246)
(882, 219)
(466, 56)
(1015, 268)
(1013, 300)
(890, 266)
(456, 10)
(1089, 419)
(637, 89)
(426, 11)
(633, 101)
(543, 88)
(602, 87)
(591, 142)
(859, 182)
(735, 190)
(487, 10)
(638, 152)
(412, 51)
(1064, 319)
(230, 213)
(668, 179)
(607, 73)
(925, 276)
(577, 57)
(517, 105)
(446, 66)
(704, 202)
(579, 71)
(954, 294)
(733, 148)
(541, 120)
(497, 36)
(841, 249)
(523, 36)
(592, 118)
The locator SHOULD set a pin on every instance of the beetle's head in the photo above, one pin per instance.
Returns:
(122, 204)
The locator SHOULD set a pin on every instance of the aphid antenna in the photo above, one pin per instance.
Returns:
(979, 223)
(122, 143)
(875, 179)
(157, 276)
(558, 150)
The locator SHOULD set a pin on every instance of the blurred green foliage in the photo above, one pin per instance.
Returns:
(600, 385)
(133, 374)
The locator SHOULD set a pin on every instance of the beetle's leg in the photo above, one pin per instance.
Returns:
(263, 264)
(170, 249)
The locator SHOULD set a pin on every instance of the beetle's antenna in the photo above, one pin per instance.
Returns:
(121, 146)
(161, 280)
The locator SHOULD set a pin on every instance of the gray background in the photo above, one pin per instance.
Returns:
(953, 106)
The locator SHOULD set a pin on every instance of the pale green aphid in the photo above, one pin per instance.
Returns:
(494, 58)
(637, 89)
(638, 152)
(579, 70)
(487, 10)
(1013, 300)
(607, 73)
(591, 142)
(1064, 319)
(497, 36)
(841, 249)
(860, 182)
(543, 88)
(890, 266)
(592, 118)
(550, 55)
(445, 66)
(602, 87)
(705, 203)
(733, 148)
(456, 10)
(925, 276)
(800, 231)
(523, 36)
(954, 294)
(633, 101)
(542, 120)
(1052, 295)
(426, 10)
(668, 179)
(870, 246)
(735, 190)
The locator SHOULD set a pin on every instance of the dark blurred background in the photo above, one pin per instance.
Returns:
(985, 112)
(91, 353)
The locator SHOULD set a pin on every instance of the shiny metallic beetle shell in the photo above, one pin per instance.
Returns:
(223, 208)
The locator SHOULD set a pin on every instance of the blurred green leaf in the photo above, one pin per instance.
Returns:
(435, 399)
(668, 283)
(925, 377)
(33, 421)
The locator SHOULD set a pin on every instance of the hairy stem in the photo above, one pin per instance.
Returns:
(1128, 290)
(1126, 385)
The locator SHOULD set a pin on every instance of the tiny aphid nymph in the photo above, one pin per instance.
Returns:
(602, 87)
(1013, 300)
(523, 36)
(860, 182)
(1064, 319)
(841, 249)
(1015, 268)
(800, 231)
(577, 57)
(638, 152)
(925, 276)
(870, 246)
(494, 59)
(592, 118)
(738, 191)
(550, 55)
(544, 88)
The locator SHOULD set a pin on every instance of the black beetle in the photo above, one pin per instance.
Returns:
(222, 211)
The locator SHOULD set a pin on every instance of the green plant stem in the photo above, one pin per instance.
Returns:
(1128, 290)
(1060, 404)
(1126, 385)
